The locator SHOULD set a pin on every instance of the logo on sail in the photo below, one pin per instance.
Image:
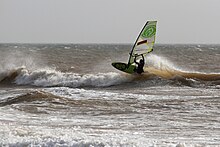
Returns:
(149, 31)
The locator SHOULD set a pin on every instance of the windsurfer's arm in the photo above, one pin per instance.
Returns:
(142, 57)
(135, 60)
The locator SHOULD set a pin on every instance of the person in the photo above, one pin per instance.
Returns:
(140, 64)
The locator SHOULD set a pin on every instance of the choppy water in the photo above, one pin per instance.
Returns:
(70, 95)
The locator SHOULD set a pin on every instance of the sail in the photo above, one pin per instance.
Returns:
(145, 41)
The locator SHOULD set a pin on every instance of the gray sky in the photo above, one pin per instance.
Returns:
(108, 21)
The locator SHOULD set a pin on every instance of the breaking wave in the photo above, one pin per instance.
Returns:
(48, 78)
(158, 67)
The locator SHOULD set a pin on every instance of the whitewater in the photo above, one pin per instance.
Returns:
(70, 95)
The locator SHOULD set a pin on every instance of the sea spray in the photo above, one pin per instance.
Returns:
(160, 62)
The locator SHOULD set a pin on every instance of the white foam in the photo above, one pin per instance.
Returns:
(77, 136)
(79, 93)
(48, 77)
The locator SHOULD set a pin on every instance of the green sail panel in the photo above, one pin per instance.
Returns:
(145, 41)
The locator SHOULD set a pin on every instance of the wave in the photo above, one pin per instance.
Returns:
(8, 76)
(37, 102)
(49, 78)
(29, 97)
(162, 67)
(53, 78)
(172, 73)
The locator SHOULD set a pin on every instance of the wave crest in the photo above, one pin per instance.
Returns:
(48, 78)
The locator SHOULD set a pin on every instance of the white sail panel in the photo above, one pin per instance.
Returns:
(145, 41)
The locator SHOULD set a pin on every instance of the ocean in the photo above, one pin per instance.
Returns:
(70, 95)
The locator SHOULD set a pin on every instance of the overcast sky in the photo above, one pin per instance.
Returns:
(108, 21)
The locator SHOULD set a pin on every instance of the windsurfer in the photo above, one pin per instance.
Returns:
(140, 64)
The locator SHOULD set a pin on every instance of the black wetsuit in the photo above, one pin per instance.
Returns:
(140, 66)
